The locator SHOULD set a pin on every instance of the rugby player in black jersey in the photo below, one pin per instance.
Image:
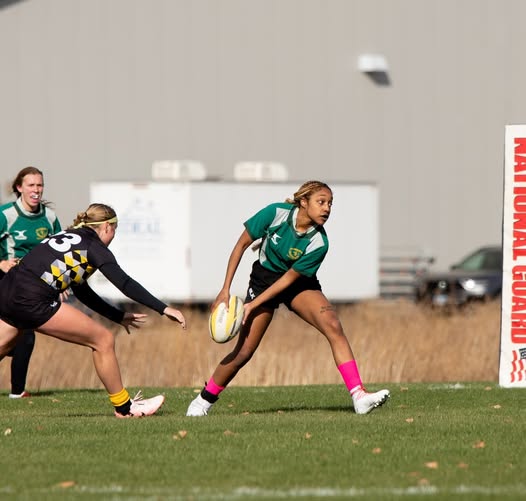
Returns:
(30, 299)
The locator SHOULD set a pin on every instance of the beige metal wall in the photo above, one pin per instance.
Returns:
(97, 90)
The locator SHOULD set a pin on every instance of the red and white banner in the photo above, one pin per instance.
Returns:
(512, 365)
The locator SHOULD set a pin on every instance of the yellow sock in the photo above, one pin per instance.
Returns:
(118, 399)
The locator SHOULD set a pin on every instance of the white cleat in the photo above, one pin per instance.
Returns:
(198, 407)
(141, 407)
(24, 394)
(365, 402)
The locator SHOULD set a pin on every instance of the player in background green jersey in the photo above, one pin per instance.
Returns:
(24, 223)
(293, 246)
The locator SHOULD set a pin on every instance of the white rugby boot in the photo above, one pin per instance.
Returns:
(141, 407)
(199, 407)
(365, 402)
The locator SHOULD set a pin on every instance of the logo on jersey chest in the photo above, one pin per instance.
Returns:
(41, 233)
(20, 235)
(274, 238)
(294, 253)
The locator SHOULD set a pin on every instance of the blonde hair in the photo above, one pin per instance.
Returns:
(306, 190)
(95, 214)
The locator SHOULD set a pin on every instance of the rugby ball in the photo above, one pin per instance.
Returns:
(224, 323)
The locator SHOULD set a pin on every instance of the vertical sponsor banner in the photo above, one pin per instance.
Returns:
(512, 365)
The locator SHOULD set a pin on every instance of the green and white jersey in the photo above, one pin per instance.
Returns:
(21, 230)
(283, 247)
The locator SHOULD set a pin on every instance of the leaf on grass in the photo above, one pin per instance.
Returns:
(245, 413)
(423, 481)
(376, 450)
(228, 433)
(7, 431)
(463, 465)
(355, 441)
(479, 445)
(180, 435)
(414, 474)
(404, 388)
(55, 400)
(280, 412)
(497, 406)
(409, 420)
(66, 484)
(432, 465)
(197, 391)
(308, 435)
(488, 388)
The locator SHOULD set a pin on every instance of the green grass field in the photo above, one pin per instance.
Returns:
(443, 441)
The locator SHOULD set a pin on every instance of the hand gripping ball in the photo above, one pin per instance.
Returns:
(224, 324)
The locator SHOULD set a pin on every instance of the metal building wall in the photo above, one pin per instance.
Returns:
(99, 90)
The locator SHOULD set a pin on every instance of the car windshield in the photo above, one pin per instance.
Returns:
(484, 259)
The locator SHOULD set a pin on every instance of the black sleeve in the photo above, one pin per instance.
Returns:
(131, 288)
(91, 299)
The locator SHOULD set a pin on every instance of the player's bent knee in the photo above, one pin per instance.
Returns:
(104, 341)
(332, 327)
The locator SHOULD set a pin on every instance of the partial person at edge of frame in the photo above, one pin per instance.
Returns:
(30, 299)
(294, 244)
(24, 223)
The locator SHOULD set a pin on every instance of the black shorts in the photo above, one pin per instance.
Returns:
(261, 279)
(26, 302)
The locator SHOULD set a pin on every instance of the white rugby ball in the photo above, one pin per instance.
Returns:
(224, 323)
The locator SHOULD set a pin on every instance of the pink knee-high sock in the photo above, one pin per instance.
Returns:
(213, 388)
(351, 376)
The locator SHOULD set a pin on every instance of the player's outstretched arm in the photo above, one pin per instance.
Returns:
(176, 315)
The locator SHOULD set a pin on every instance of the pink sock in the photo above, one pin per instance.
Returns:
(213, 388)
(351, 376)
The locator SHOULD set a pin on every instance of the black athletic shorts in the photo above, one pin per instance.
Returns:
(26, 302)
(261, 279)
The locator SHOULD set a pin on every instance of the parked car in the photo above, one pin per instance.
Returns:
(476, 277)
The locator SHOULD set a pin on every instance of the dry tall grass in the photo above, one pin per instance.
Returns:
(395, 341)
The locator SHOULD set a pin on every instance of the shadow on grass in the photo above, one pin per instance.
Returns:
(268, 411)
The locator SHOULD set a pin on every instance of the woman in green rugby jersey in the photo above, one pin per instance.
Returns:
(23, 224)
(294, 244)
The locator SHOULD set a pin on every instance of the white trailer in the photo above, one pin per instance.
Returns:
(175, 237)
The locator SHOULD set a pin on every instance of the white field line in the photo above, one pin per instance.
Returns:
(170, 493)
